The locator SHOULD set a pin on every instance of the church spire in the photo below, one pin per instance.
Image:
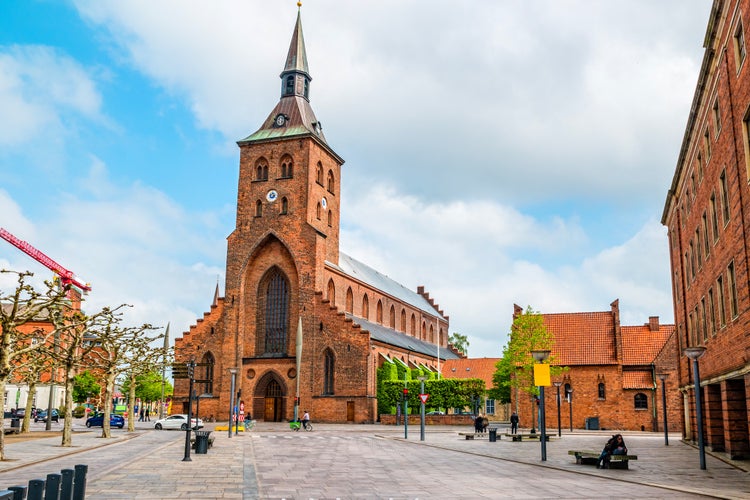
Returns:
(295, 79)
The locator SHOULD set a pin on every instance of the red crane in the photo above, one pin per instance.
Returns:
(66, 277)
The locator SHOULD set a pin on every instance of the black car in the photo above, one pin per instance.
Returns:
(41, 416)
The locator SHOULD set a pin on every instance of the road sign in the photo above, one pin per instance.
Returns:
(424, 397)
(179, 370)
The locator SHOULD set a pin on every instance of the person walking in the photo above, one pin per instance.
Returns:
(514, 423)
(146, 415)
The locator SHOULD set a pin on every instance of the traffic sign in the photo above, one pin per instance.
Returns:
(424, 397)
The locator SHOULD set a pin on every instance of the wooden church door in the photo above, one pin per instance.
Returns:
(272, 411)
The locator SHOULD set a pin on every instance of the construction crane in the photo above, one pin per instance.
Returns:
(66, 277)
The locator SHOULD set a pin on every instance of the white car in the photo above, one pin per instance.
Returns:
(178, 421)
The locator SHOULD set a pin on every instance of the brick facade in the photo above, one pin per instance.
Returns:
(706, 213)
(608, 366)
(283, 267)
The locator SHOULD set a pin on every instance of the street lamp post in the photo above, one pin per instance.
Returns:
(570, 406)
(663, 378)
(540, 357)
(233, 371)
(696, 353)
(191, 374)
(557, 386)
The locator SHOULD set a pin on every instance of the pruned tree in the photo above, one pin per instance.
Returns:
(28, 369)
(116, 349)
(142, 358)
(18, 308)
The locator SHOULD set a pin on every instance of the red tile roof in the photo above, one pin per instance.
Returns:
(482, 368)
(640, 379)
(586, 338)
(640, 345)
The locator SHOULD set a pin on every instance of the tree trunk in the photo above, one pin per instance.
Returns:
(109, 389)
(67, 436)
(131, 403)
(27, 415)
(2, 420)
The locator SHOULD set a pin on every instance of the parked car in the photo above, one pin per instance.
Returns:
(97, 420)
(20, 412)
(178, 421)
(41, 416)
(436, 412)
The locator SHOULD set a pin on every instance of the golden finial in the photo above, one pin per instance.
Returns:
(299, 4)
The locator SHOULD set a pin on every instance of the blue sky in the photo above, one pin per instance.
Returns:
(499, 152)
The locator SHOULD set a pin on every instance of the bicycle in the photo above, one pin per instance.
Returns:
(296, 424)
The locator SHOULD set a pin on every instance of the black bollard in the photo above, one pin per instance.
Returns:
(66, 490)
(79, 482)
(52, 489)
(19, 492)
(36, 489)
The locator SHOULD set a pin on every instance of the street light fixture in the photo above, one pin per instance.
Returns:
(540, 356)
(696, 353)
(663, 378)
(233, 371)
(559, 430)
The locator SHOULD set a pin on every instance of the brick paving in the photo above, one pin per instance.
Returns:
(370, 461)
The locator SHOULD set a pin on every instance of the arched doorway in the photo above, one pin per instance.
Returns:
(269, 398)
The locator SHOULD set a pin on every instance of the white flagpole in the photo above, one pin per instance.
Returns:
(163, 368)
(299, 359)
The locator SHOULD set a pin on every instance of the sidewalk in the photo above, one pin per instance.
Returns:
(239, 468)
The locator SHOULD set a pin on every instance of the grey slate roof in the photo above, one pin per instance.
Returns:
(364, 273)
(398, 339)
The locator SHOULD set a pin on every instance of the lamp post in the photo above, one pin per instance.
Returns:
(663, 378)
(557, 386)
(540, 357)
(570, 406)
(233, 371)
(191, 374)
(696, 353)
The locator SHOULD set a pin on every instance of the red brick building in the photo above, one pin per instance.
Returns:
(707, 214)
(612, 377)
(482, 368)
(284, 267)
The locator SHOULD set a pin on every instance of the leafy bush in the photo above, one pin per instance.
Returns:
(79, 411)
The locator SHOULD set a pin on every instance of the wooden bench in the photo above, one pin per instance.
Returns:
(591, 457)
(472, 435)
(521, 437)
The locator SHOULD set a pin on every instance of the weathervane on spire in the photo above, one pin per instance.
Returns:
(299, 4)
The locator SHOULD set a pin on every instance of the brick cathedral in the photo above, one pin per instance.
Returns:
(291, 295)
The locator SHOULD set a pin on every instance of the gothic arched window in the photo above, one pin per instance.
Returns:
(284, 206)
(392, 318)
(331, 292)
(258, 208)
(206, 373)
(349, 300)
(601, 390)
(365, 307)
(289, 85)
(379, 312)
(328, 373)
(331, 183)
(273, 313)
(413, 326)
(403, 320)
(319, 174)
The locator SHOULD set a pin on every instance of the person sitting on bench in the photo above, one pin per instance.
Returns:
(615, 446)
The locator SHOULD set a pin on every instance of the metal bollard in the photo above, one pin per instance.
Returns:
(52, 489)
(66, 490)
(36, 489)
(79, 482)
(19, 492)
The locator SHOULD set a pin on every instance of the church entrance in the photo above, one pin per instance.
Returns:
(273, 402)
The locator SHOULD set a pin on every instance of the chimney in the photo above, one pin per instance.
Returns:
(653, 323)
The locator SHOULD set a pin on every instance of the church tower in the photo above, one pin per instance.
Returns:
(287, 223)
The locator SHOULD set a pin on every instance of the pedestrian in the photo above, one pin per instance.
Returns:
(140, 416)
(478, 424)
(514, 423)
(615, 446)
(147, 413)
(305, 419)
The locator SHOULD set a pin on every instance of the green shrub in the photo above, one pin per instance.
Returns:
(79, 411)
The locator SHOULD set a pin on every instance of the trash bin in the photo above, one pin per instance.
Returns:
(493, 434)
(201, 442)
(15, 424)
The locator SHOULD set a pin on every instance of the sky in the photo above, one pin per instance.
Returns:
(497, 152)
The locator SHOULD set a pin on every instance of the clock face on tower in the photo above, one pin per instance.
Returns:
(324, 203)
(280, 120)
(272, 195)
